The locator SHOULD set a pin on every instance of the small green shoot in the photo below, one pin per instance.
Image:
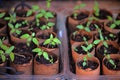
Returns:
(96, 8)
(11, 19)
(2, 15)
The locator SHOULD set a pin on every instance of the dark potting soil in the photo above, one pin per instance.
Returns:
(19, 22)
(81, 16)
(21, 13)
(103, 14)
(110, 49)
(1, 25)
(48, 46)
(42, 60)
(91, 65)
(110, 66)
(80, 49)
(79, 37)
(22, 60)
(110, 23)
(107, 34)
(45, 35)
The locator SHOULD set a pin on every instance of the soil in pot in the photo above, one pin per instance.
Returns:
(110, 66)
(110, 49)
(80, 16)
(103, 14)
(91, 65)
(80, 50)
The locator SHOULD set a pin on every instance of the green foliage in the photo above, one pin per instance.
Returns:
(47, 26)
(30, 38)
(111, 61)
(84, 62)
(43, 53)
(34, 8)
(96, 8)
(2, 14)
(52, 41)
(81, 27)
(48, 3)
(77, 7)
(11, 19)
(6, 51)
(15, 29)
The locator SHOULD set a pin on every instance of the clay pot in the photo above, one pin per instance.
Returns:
(107, 71)
(42, 32)
(3, 27)
(26, 68)
(105, 18)
(82, 32)
(100, 56)
(2, 67)
(72, 23)
(107, 28)
(46, 69)
(76, 55)
(80, 71)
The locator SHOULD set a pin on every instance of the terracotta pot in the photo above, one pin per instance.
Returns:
(100, 56)
(46, 69)
(76, 55)
(3, 27)
(115, 31)
(25, 68)
(82, 32)
(80, 71)
(42, 32)
(72, 23)
(105, 18)
(6, 41)
(29, 18)
(107, 71)
(2, 67)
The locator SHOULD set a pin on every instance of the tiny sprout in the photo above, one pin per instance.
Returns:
(84, 61)
(2, 14)
(48, 3)
(96, 8)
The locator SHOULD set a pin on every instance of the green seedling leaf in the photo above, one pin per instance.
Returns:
(96, 26)
(75, 49)
(96, 42)
(12, 56)
(25, 36)
(87, 29)
(112, 26)
(85, 59)
(4, 47)
(84, 64)
(8, 51)
(47, 41)
(84, 48)
(6, 18)
(117, 22)
(35, 7)
(18, 32)
(48, 3)
(3, 58)
(80, 27)
(96, 8)
(105, 44)
(36, 50)
(11, 25)
(35, 41)
(49, 15)
(110, 18)
(111, 35)
(2, 15)
(89, 46)
(53, 43)
(51, 24)
(39, 15)
(29, 12)
(51, 36)
(45, 55)
(56, 40)
(90, 55)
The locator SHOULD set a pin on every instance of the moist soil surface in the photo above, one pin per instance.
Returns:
(103, 14)
(80, 16)
(110, 49)
(48, 46)
(22, 60)
(45, 35)
(79, 37)
(42, 60)
(110, 23)
(1, 25)
(21, 13)
(110, 66)
(107, 34)
(80, 49)
(91, 65)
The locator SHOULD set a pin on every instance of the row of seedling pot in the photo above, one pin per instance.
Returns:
(28, 41)
(94, 41)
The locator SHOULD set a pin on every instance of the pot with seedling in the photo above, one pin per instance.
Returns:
(78, 17)
(3, 13)
(77, 36)
(100, 13)
(5, 54)
(112, 26)
(111, 64)
(51, 44)
(82, 49)
(45, 63)
(88, 65)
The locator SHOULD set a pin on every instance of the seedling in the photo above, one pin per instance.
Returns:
(96, 8)
(6, 51)
(34, 8)
(45, 14)
(2, 14)
(84, 62)
(43, 53)
(48, 3)
(77, 7)
(47, 26)
(30, 38)
(52, 41)
(81, 27)
(11, 19)
(115, 22)
(111, 61)
(14, 28)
